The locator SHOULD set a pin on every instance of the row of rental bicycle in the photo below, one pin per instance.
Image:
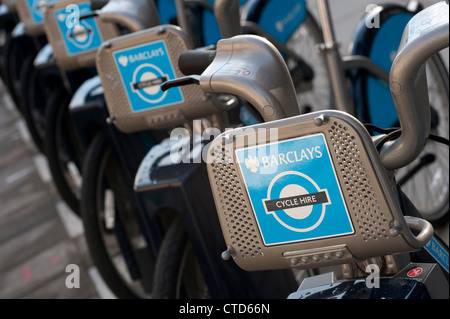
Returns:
(227, 148)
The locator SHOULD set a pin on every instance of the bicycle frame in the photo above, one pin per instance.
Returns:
(227, 11)
(338, 64)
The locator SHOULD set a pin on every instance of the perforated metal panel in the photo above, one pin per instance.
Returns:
(358, 185)
(239, 221)
(377, 225)
(121, 102)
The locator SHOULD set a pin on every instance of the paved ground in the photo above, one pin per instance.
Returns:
(39, 235)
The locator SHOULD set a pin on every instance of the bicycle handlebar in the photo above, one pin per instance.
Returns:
(426, 34)
(252, 68)
(247, 66)
(228, 17)
(136, 15)
(195, 61)
(98, 4)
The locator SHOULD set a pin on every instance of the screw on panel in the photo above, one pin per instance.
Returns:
(111, 119)
(227, 138)
(321, 120)
(395, 228)
(227, 253)
(293, 261)
(161, 30)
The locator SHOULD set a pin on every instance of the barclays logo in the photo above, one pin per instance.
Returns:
(123, 60)
(252, 163)
(260, 164)
(280, 24)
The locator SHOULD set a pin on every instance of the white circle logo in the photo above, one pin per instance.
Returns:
(296, 201)
(147, 80)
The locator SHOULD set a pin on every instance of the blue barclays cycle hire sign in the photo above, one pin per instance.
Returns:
(79, 35)
(36, 9)
(142, 70)
(294, 191)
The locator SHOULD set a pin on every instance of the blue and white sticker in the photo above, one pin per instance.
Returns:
(81, 35)
(294, 190)
(142, 71)
(36, 9)
(439, 253)
(431, 18)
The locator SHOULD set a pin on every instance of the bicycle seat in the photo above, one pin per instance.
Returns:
(75, 44)
(142, 61)
(251, 67)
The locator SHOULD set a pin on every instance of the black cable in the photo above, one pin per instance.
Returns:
(394, 132)
(371, 127)
(439, 139)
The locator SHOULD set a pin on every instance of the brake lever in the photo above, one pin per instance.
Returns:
(185, 80)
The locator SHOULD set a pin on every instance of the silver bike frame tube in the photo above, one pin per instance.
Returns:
(362, 62)
(409, 86)
(334, 62)
(228, 17)
(181, 14)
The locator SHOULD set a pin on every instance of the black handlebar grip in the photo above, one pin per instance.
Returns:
(98, 4)
(195, 61)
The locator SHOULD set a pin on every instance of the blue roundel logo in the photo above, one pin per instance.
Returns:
(296, 201)
(147, 80)
(81, 35)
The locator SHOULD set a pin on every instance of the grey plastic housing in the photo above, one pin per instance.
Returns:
(33, 26)
(426, 34)
(369, 195)
(251, 67)
(10, 4)
(83, 57)
(227, 14)
(136, 15)
(194, 103)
